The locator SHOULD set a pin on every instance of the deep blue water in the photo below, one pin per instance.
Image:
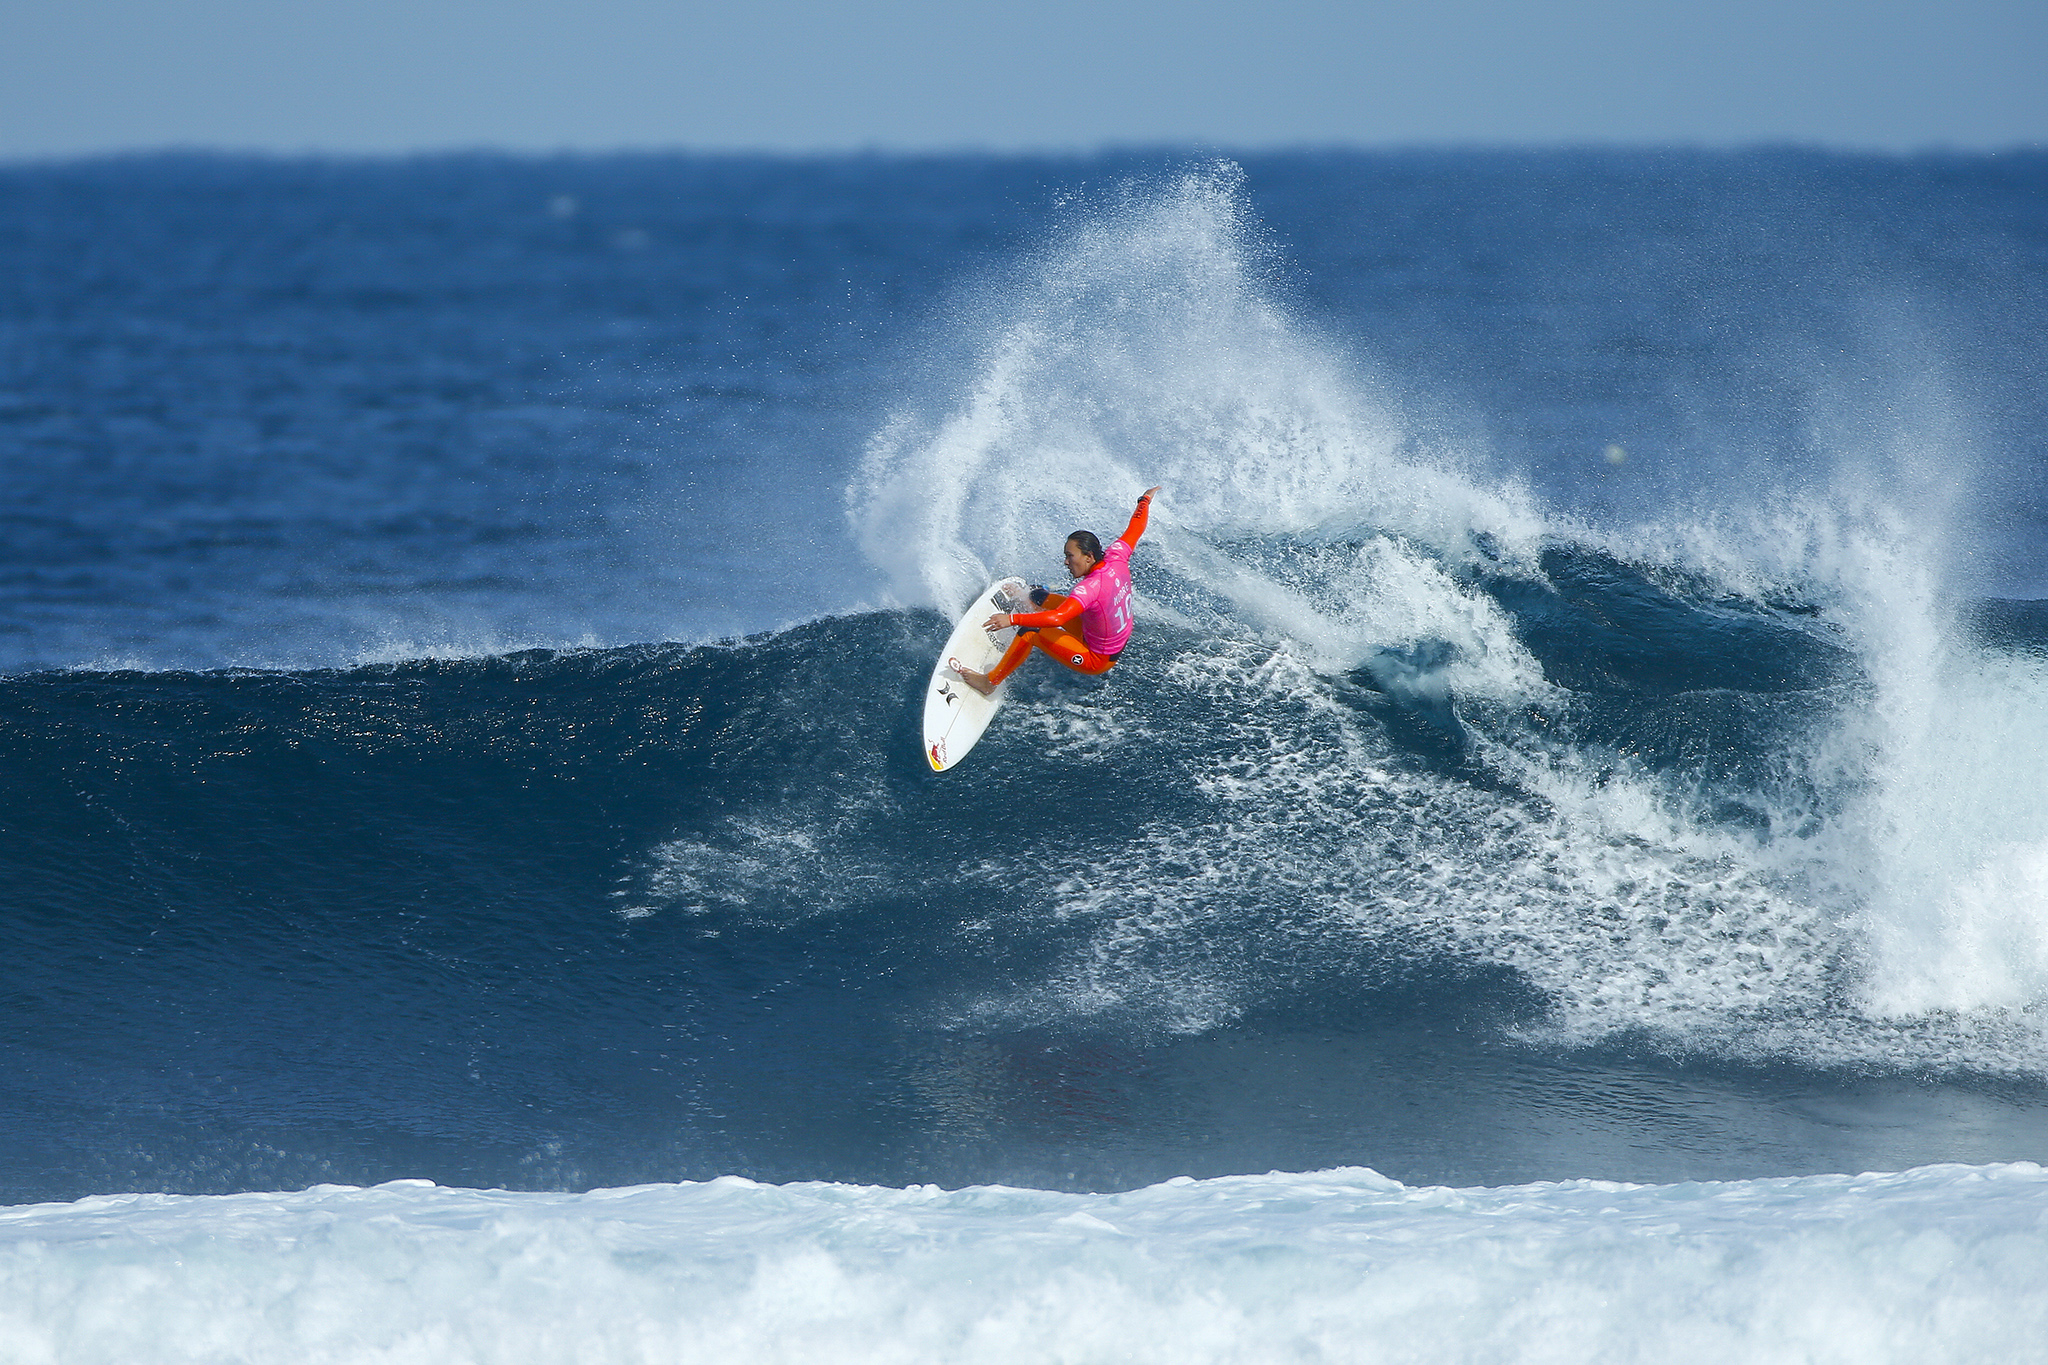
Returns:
(464, 620)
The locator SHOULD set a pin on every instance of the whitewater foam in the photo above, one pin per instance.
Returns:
(1936, 1264)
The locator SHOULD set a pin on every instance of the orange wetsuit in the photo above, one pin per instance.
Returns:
(1101, 602)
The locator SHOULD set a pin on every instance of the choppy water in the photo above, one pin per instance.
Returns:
(464, 622)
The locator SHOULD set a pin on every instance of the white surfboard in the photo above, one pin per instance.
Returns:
(954, 713)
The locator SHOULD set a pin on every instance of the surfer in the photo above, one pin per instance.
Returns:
(1100, 600)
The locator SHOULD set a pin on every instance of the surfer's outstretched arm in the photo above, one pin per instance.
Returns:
(1139, 517)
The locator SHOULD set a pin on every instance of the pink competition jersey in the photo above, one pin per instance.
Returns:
(1105, 598)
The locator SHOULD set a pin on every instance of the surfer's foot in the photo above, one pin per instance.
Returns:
(978, 681)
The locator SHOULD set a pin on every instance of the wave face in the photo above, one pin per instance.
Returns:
(1584, 719)
(602, 917)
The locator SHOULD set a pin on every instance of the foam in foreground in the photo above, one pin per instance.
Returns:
(1938, 1263)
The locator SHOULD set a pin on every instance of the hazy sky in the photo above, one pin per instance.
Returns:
(397, 75)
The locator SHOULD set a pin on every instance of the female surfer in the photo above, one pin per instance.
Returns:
(1101, 600)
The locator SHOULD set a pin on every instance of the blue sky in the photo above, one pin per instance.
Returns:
(85, 76)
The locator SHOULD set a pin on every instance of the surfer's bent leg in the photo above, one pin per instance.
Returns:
(1020, 645)
(1062, 644)
(1014, 655)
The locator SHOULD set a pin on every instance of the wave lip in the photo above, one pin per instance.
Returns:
(1933, 1264)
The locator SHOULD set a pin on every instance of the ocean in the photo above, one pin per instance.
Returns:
(1560, 873)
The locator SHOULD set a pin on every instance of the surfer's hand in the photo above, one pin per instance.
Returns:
(996, 622)
(1150, 491)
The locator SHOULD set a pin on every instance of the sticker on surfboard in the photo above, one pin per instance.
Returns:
(955, 715)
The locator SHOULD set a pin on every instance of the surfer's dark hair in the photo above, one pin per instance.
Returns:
(1090, 546)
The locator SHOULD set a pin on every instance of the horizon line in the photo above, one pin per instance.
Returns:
(1103, 149)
